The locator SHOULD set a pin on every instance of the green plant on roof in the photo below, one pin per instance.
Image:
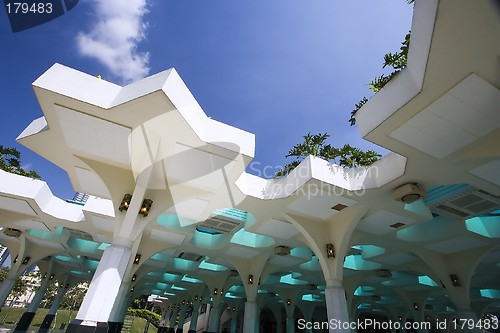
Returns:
(397, 61)
(346, 156)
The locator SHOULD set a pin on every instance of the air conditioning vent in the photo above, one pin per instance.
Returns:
(467, 204)
(383, 273)
(282, 250)
(190, 256)
(11, 232)
(222, 224)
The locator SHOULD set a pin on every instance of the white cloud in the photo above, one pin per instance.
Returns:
(114, 37)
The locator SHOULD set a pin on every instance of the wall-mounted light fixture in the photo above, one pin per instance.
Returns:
(44, 275)
(146, 206)
(15, 260)
(132, 289)
(455, 280)
(183, 301)
(134, 277)
(26, 260)
(66, 286)
(195, 297)
(330, 253)
(215, 291)
(288, 302)
(125, 202)
(415, 306)
(222, 291)
(250, 279)
(137, 259)
(51, 277)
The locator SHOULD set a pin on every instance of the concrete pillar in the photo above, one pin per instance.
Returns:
(119, 310)
(182, 318)
(207, 318)
(194, 317)
(103, 293)
(25, 320)
(234, 321)
(49, 318)
(250, 317)
(6, 288)
(173, 320)
(336, 307)
(214, 321)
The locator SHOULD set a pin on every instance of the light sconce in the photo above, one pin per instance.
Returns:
(455, 280)
(288, 302)
(66, 286)
(125, 202)
(26, 260)
(15, 260)
(137, 259)
(134, 277)
(183, 302)
(132, 289)
(222, 291)
(234, 309)
(215, 291)
(146, 206)
(196, 297)
(250, 279)
(415, 306)
(330, 253)
(51, 277)
(44, 275)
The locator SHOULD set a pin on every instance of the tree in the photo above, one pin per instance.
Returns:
(346, 156)
(74, 297)
(10, 161)
(397, 61)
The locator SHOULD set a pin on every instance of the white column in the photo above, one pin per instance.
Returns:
(194, 316)
(250, 317)
(104, 288)
(214, 322)
(182, 316)
(234, 321)
(336, 306)
(37, 299)
(206, 318)
(5, 289)
(57, 300)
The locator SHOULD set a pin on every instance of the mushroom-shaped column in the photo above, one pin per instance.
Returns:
(330, 241)
(250, 272)
(49, 317)
(28, 315)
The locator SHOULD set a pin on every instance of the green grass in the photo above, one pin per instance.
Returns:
(9, 316)
(139, 324)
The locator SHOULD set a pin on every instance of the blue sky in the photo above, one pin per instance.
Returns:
(276, 68)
